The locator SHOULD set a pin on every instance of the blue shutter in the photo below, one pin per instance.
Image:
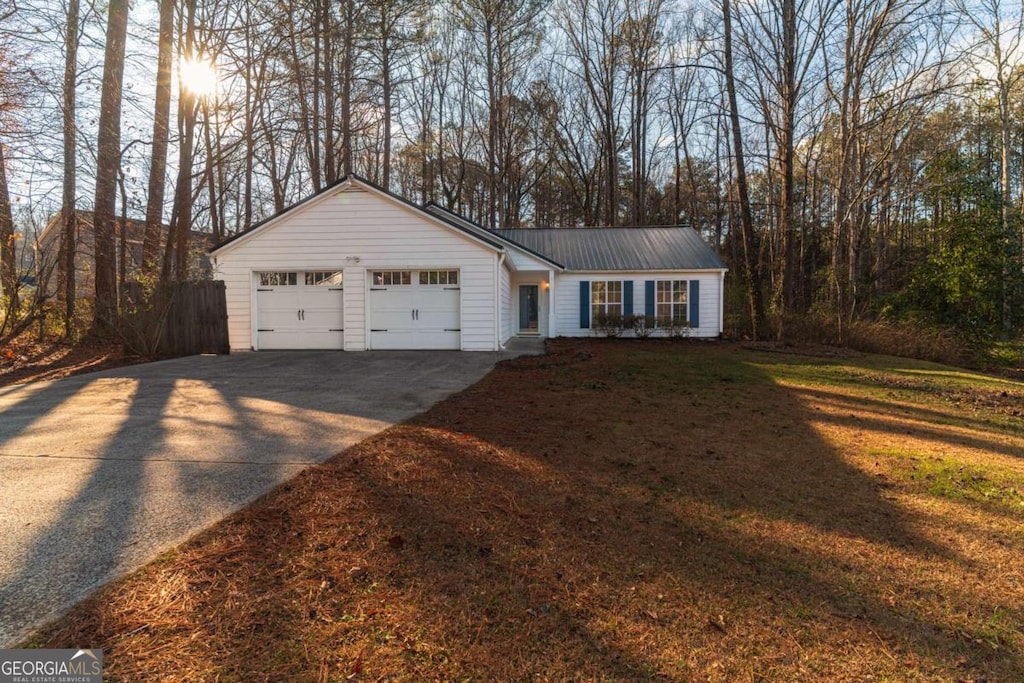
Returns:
(627, 298)
(649, 298)
(694, 303)
(584, 304)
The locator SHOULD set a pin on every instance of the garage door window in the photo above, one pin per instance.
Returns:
(278, 279)
(439, 277)
(392, 277)
(325, 278)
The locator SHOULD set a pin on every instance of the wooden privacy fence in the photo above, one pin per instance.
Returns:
(179, 319)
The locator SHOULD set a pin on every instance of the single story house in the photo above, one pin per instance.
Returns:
(356, 267)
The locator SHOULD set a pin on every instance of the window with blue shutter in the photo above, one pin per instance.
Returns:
(627, 298)
(649, 298)
(584, 304)
(694, 303)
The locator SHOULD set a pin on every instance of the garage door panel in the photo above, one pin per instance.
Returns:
(392, 309)
(299, 317)
(414, 316)
(278, 309)
(439, 340)
(323, 309)
(438, 309)
(389, 340)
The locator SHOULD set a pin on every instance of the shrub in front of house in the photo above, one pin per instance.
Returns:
(608, 324)
(643, 325)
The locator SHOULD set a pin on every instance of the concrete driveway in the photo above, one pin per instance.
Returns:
(102, 472)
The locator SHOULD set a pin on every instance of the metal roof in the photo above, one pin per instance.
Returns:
(439, 210)
(598, 249)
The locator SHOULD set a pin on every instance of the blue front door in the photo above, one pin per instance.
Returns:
(528, 308)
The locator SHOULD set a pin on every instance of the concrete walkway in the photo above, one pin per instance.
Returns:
(102, 472)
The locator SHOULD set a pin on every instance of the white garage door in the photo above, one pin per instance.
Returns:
(300, 310)
(415, 309)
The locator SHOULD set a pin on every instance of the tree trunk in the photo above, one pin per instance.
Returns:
(161, 129)
(346, 88)
(385, 67)
(108, 152)
(750, 247)
(1009, 234)
(330, 153)
(69, 236)
(175, 265)
(787, 162)
(8, 262)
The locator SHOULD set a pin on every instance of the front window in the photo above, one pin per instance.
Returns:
(672, 302)
(605, 299)
(392, 277)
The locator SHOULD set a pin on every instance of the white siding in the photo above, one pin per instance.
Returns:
(521, 260)
(360, 231)
(567, 298)
(506, 305)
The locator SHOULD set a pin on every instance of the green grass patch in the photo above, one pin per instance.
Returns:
(1007, 355)
(953, 480)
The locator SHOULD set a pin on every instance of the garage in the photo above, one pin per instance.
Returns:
(415, 309)
(300, 309)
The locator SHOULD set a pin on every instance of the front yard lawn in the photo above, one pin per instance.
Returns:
(619, 511)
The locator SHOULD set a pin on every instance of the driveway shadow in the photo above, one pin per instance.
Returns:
(100, 473)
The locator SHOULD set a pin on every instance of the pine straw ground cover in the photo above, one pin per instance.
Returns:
(26, 359)
(619, 511)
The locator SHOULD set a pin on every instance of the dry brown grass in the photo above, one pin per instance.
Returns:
(618, 511)
(907, 338)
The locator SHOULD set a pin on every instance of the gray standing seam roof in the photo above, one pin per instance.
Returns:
(597, 249)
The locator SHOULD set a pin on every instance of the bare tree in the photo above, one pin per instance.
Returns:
(161, 133)
(643, 34)
(783, 40)
(884, 82)
(995, 54)
(8, 259)
(69, 238)
(751, 258)
(108, 161)
(595, 55)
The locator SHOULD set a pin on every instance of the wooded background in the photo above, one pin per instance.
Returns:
(850, 159)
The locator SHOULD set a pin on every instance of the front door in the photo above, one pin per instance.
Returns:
(528, 308)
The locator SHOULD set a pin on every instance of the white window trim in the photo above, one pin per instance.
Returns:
(671, 302)
(621, 304)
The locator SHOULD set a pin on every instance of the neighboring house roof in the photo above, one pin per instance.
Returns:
(135, 228)
(599, 249)
(439, 210)
(352, 179)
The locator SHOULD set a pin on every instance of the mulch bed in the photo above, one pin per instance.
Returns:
(29, 360)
